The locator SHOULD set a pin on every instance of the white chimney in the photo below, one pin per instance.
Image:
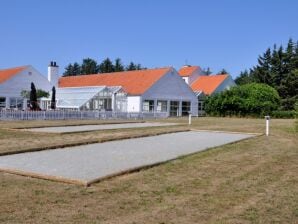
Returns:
(53, 73)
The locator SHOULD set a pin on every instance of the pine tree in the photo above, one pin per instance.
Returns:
(223, 72)
(76, 69)
(89, 66)
(69, 70)
(106, 66)
(261, 73)
(119, 67)
(131, 67)
(207, 71)
(243, 78)
(279, 69)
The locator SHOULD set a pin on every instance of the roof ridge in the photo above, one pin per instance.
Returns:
(133, 82)
(18, 67)
(108, 73)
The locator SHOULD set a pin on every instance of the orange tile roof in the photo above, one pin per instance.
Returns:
(187, 70)
(133, 82)
(208, 84)
(6, 74)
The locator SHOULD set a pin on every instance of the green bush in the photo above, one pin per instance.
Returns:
(253, 99)
(284, 114)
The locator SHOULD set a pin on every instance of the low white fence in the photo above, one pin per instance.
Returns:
(76, 115)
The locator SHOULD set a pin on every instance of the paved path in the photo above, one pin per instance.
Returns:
(89, 162)
(65, 129)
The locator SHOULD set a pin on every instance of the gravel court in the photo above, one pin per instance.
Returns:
(88, 163)
(81, 128)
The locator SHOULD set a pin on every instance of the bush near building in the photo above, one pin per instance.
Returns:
(253, 99)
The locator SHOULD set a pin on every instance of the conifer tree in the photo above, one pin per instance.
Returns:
(53, 100)
(33, 97)
(68, 70)
(89, 66)
(223, 72)
(278, 68)
(118, 65)
(76, 69)
(106, 66)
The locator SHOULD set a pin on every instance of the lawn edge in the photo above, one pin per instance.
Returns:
(89, 142)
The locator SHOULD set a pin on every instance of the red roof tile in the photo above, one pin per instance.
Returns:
(187, 70)
(6, 74)
(133, 82)
(208, 84)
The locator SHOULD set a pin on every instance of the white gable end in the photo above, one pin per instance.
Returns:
(22, 81)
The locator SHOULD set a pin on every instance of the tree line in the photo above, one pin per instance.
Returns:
(278, 68)
(91, 66)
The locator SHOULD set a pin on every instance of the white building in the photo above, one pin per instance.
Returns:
(152, 90)
(14, 80)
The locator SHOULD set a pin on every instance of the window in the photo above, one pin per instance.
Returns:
(2, 102)
(186, 107)
(174, 108)
(16, 103)
(148, 105)
(200, 106)
(162, 106)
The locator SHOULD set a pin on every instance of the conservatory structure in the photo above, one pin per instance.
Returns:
(102, 98)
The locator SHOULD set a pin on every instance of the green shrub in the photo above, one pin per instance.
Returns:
(284, 114)
(253, 99)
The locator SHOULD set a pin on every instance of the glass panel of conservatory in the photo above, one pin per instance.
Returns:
(76, 97)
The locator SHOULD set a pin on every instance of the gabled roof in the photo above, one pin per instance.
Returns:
(133, 82)
(186, 71)
(7, 74)
(208, 84)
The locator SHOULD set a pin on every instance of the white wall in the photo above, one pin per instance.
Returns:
(186, 79)
(134, 103)
(172, 87)
(22, 81)
(12, 88)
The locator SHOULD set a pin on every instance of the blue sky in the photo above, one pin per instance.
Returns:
(218, 34)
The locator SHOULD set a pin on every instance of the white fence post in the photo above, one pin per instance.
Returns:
(267, 125)
(189, 118)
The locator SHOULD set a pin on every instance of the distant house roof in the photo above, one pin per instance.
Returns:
(186, 71)
(208, 84)
(133, 82)
(7, 74)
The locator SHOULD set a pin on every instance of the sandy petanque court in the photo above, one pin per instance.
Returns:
(90, 163)
(82, 128)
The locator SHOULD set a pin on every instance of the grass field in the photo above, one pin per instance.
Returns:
(252, 181)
